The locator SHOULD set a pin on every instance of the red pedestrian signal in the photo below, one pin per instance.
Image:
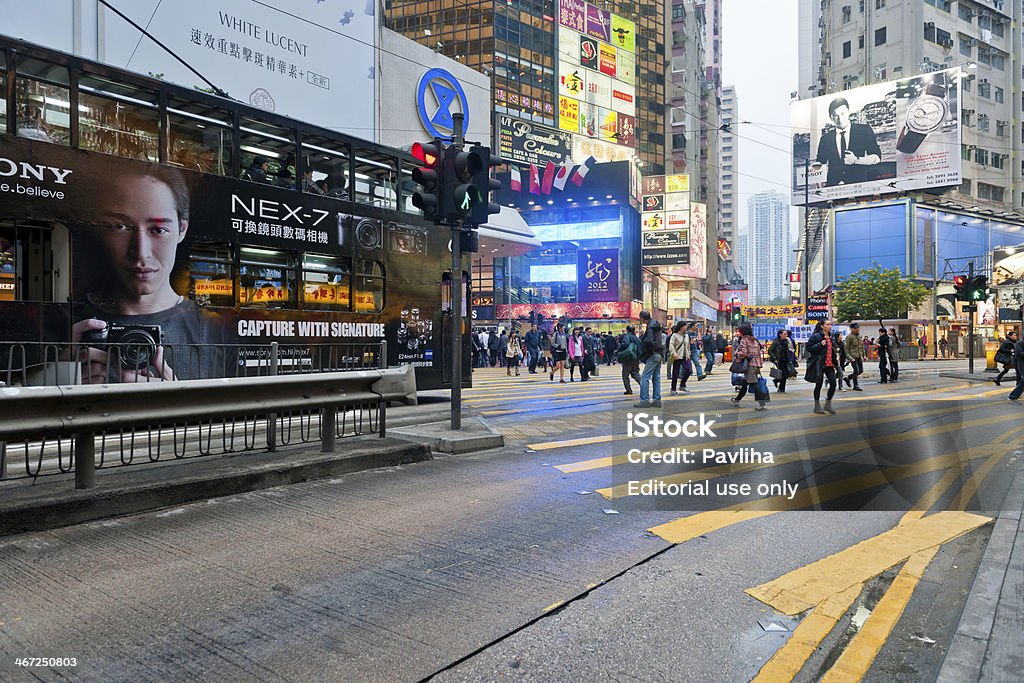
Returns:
(430, 177)
(960, 286)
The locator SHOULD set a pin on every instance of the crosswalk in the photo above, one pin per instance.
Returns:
(928, 447)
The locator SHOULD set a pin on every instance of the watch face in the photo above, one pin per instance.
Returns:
(926, 113)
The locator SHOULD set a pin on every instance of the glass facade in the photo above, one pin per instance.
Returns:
(548, 274)
(943, 241)
(871, 236)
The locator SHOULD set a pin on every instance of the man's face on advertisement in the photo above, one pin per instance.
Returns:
(141, 231)
(841, 117)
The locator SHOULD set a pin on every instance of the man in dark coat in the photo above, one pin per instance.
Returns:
(492, 347)
(883, 356)
(850, 149)
(532, 339)
(709, 347)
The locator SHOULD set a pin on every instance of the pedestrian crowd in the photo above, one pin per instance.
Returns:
(834, 362)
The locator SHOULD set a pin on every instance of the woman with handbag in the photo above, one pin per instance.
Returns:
(781, 353)
(822, 365)
(1004, 356)
(513, 354)
(559, 351)
(679, 356)
(577, 352)
(747, 360)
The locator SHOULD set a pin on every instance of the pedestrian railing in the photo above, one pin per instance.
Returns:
(50, 430)
(50, 363)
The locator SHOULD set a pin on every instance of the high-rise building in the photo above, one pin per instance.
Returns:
(694, 114)
(517, 43)
(858, 42)
(739, 255)
(768, 247)
(729, 153)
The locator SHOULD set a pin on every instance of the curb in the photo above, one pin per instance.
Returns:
(222, 476)
(967, 652)
(476, 435)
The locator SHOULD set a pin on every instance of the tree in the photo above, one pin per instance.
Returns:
(874, 293)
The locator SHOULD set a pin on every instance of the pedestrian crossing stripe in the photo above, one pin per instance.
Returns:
(622, 459)
(622, 490)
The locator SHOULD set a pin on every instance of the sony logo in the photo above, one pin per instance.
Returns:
(10, 168)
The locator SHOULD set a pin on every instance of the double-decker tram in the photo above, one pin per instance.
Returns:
(174, 234)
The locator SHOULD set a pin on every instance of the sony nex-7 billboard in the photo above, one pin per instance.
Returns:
(881, 138)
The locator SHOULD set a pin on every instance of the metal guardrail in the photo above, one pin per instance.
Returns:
(52, 363)
(65, 423)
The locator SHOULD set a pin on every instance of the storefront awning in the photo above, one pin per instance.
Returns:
(506, 234)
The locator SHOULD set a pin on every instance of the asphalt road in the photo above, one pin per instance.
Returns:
(532, 562)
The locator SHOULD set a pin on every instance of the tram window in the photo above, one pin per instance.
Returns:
(200, 137)
(212, 275)
(118, 118)
(375, 179)
(268, 153)
(328, 161)
(3, 91)
(369, 287)
(326, 283)
(43, 99)
(267, 279)
(8, 265)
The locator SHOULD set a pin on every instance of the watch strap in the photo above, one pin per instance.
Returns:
(909, 140)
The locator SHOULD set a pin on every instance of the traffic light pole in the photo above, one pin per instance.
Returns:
(971, 307)
(456, 327)
(456, 423)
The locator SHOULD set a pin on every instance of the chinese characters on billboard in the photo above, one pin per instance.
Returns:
(597, 77)
(597, 275)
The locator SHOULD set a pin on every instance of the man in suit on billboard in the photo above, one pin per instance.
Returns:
(850, 149)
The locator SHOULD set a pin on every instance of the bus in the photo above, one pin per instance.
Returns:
(133, 209)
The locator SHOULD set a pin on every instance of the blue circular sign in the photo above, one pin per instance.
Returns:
(436, 116)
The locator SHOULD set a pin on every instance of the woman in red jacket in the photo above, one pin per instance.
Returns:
(749, 349)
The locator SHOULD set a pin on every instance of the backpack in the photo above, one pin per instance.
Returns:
(629, 354)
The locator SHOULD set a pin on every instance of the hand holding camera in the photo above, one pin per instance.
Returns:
(119, 352)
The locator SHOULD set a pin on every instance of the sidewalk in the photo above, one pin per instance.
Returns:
(52, 501)
(988, 644)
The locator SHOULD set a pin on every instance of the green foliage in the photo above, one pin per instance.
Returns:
(876, 294)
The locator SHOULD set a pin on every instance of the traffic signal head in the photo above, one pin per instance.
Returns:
(430, 176)
(960, 285)
(977, 289)
(460, 167)
(485, 184)
(737, 315)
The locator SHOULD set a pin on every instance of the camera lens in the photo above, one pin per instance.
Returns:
(137, 349)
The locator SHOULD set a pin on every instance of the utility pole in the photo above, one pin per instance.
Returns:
(456, 421)
(806, 285)
(971, 308)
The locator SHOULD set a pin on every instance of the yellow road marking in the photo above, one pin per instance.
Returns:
(554, 605)
(803, 588)
(621, 490)
(856, 659)
(692, 526)
(793, 655)
(787, 662)
(686, 528)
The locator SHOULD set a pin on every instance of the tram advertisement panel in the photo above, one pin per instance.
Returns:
(155, 252)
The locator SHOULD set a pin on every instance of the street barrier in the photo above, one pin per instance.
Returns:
(64, 428)
(51, 363)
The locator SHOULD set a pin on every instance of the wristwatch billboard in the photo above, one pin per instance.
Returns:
(924, 115)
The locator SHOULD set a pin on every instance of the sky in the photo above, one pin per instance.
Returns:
(759, 58)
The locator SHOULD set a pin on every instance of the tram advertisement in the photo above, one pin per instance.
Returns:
(199, 261)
